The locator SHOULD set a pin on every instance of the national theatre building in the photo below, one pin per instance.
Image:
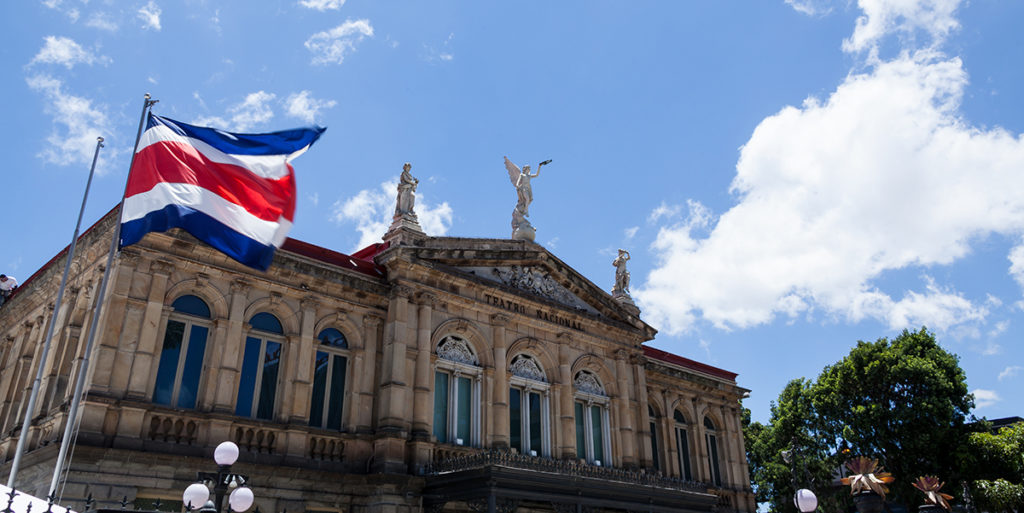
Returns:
(420, 374)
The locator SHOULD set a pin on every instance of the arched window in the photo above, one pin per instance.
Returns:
(329, 370)
(712, 441)
(682, 446)
(261, 366)
(457, 392)
(528, 406)
(654, 437)
(591, 411)
(181, 359)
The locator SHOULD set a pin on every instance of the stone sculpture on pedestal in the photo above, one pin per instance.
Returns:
(521, 227)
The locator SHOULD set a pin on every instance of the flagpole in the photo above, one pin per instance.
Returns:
(77, 395)
(34, 395)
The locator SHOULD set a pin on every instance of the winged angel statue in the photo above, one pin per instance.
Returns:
(521, 227)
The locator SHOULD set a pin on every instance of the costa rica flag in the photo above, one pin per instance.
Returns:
(235, 192)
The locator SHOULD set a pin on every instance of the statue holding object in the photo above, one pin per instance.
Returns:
(521, 227)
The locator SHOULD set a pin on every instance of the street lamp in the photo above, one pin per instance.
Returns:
(240, 498)
(805, 500)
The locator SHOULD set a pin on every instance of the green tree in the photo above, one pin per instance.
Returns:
(904, 401)
(792, 430)
(997, 466)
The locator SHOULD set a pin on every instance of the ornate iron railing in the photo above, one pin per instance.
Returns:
(563, 467)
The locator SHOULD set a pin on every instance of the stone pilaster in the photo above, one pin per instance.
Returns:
(150, 340)
(564, 392)
(500, 422)
(422, 404)
(368, 381)
(231, 350)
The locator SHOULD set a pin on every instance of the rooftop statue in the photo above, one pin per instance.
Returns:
(621, 287)
(521, 227)
(406, 192)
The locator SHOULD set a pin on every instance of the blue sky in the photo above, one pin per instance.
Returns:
(789, 176)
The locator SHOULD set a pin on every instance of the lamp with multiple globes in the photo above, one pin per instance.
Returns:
(223, 482)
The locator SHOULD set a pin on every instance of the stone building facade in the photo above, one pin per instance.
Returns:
(421, 374)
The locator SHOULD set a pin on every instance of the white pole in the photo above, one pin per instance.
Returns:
(49, 331)
(76, 397)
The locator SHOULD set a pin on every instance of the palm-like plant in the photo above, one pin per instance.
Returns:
(867, 476)
(931, 485)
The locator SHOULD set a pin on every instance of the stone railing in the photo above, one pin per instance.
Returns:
(482, 459)
(255, 439)
(326, 448)
(173, 429)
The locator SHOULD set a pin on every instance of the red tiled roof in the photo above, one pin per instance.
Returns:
(357, 262)
(665, 356)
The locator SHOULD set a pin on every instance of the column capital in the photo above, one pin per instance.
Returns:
(240, 286)
(311, 302)
(500, 319)
(425, 299)
(372, 321)
(162, 266)
(400, 291)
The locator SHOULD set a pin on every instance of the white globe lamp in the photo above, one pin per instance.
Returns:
(805, 501)
(241, 499)
(226, 454)
(196, 495)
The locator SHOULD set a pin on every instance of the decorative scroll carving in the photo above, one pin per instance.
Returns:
(500, 319)
(456, 349)
(537, 281)
(525, 366)
(587, 382)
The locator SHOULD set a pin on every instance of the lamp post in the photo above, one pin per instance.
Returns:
(240, 498)
(804, 499)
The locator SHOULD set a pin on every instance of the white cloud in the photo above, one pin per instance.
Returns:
(1016, 258)
(331, 46)
(991, 349)
(65, 52)
(77, 123)
(1010, 372)
(664, 211)
(303, 106)
(906, 18)
(102, 21)
(883, 175)
(811, 7)
(254, 110)
(71, 12)
(150, 16)
(630, 232)
(251, 112)
(985, 398)
(322, 5)
(372, 210)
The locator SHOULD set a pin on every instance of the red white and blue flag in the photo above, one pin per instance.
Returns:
(235, 192)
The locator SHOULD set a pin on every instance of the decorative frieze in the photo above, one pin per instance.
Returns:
(456, 349)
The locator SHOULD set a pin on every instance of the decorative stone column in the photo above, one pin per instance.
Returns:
(564, 392)
(302, 361)
(627, 437)
(368, 371)
(231, 350)
(499, 400)
(393, 381)
(640, 382)
(422, 405)
(145, 363)
(393, 397)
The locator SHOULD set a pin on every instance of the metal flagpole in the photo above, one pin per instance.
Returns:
(76, 397)
(49, 331)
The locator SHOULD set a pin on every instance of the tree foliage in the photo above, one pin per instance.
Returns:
(996, 465)
(903, 401)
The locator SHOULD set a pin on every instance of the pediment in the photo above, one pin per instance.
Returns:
(528, 270)
(532, 279)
